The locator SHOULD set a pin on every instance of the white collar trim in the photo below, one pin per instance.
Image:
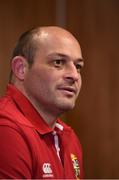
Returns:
(59, 126)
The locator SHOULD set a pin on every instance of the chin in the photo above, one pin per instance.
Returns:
(66, 107)
(65, 104)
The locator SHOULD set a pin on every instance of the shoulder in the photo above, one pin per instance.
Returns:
(68, 131)
(66, 128)
(10, 114)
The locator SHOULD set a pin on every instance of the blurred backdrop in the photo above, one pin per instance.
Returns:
(95, 23)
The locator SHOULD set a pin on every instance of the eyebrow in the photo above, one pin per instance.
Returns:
(80, 60)
(65, 56)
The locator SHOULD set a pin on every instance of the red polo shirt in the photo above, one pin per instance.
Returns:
(29, 148)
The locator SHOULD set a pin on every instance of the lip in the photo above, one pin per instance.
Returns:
(68, 89)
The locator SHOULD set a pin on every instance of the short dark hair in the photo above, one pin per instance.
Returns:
(26, 46)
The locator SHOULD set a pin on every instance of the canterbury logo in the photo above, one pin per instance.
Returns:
(47, 168)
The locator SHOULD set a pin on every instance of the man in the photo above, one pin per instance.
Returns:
(45, 82)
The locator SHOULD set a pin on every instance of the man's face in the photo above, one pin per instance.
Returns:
(54, 81)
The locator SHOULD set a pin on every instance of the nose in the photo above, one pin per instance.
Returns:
(71, 74)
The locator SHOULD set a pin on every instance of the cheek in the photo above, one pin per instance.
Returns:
(45, 78)
(41, 79)
(45, 81)
(47, 75)
(79, 83)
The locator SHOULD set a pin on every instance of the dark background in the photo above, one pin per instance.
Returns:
(95, 23)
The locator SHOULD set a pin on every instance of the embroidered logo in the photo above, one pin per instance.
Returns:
(47, 170)
(75, 166)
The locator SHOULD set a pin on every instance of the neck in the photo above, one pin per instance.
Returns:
(49, 116)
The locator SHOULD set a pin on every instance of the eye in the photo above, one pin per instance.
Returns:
(59, 62)
(78, 67)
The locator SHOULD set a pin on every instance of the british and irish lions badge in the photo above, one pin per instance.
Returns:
(75, 166)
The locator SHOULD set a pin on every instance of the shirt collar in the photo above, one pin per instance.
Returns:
(29, 111)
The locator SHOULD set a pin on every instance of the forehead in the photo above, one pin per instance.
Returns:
(63, 43)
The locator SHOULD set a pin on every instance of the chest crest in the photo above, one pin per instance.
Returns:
(76, 166)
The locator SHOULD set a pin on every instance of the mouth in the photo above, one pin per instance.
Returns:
(68, 90)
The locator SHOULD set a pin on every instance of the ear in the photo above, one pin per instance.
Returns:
(19, 65)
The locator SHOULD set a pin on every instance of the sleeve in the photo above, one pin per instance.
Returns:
(15, 157)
